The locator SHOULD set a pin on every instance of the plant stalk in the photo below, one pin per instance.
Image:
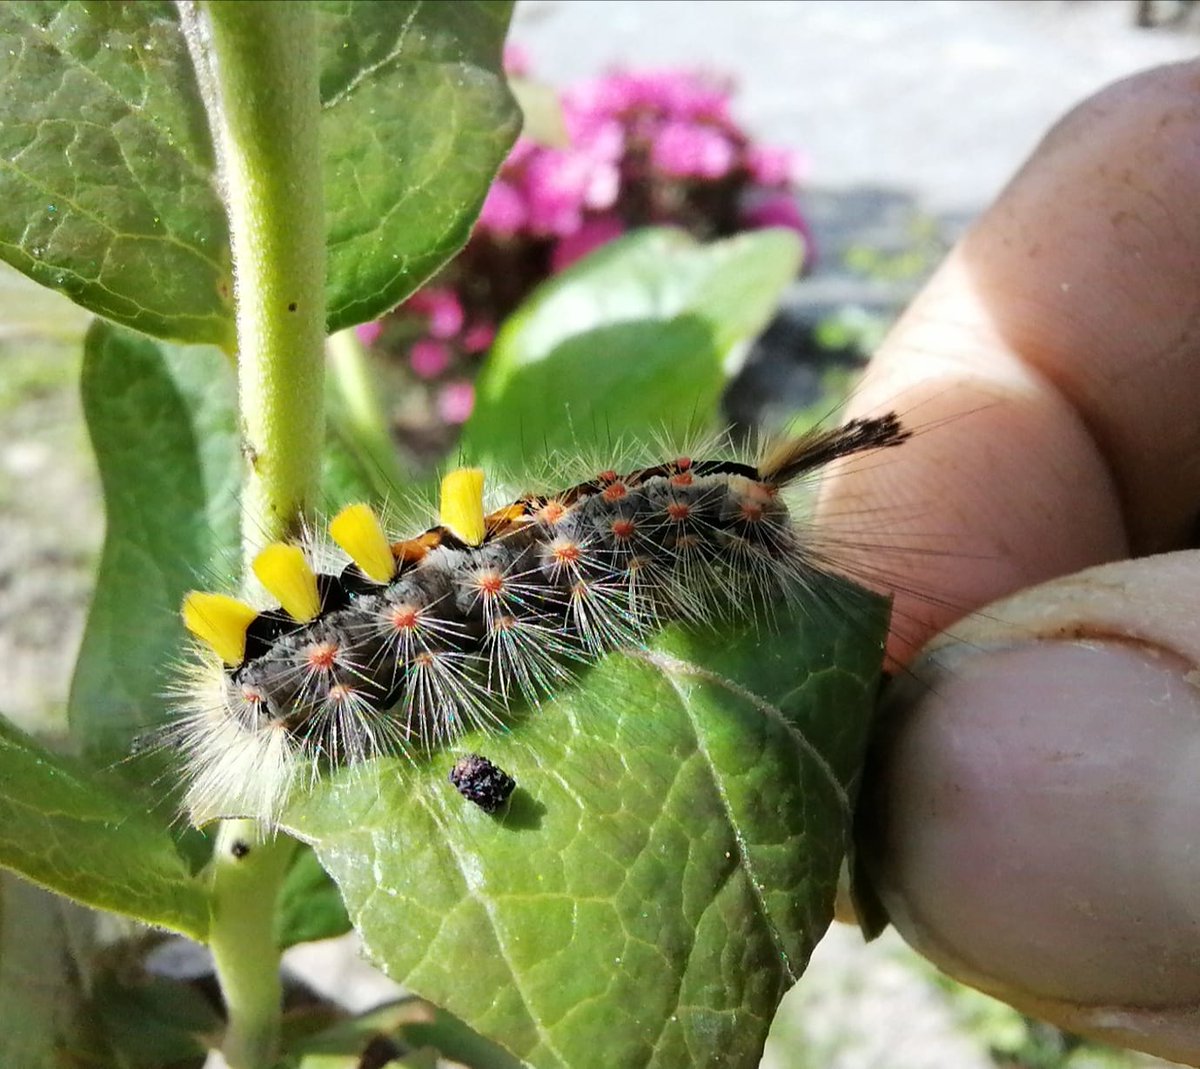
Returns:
(258, 71)
(247, 869)
(257, 68)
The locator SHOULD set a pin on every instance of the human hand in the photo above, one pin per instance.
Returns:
(1032, 823)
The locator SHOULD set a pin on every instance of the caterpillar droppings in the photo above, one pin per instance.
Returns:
(480, 781)
(407, 643)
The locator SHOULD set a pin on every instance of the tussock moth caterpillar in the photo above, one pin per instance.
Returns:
(405, 643)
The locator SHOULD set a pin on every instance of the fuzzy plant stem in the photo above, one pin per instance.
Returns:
(247, 869)
(257, 68)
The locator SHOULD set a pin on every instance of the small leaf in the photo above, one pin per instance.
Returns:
(164, 428)
(361, 462)
(154, 1022)
(665, 866)
(446, 1034)
(633, 339)
(416, 121)
(64, 830)
(411, 1023)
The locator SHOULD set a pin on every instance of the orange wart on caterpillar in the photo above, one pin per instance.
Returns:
(409, 643)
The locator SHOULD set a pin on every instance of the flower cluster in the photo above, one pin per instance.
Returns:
(643, 148)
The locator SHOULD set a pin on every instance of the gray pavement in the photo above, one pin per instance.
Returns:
(935, 99)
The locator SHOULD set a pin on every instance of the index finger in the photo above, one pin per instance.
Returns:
(1054, 358)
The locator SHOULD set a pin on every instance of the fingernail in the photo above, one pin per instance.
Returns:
(1031, 821)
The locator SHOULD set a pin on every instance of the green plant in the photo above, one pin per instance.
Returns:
(224, 184)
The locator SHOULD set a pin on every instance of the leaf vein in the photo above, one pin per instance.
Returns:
(760, 903)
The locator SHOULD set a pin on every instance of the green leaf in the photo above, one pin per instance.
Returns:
(310, 905)
(108, 183)
(107, 188)
(666, 865)
(154, 1022)
(66, 831)
(417, 119)
(164, 428)
(446, 1034)
(411, 1023)
(633, 339)
(44, 1016)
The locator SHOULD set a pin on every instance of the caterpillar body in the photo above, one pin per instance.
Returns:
(407, 643)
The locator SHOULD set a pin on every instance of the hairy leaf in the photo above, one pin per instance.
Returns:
(63, 829)
(633, 339)
(665, 866)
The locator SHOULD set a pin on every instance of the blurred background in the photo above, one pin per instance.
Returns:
(886, 126)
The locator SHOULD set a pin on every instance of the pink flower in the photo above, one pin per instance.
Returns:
(479, 337)
(455, 401)
(503, 210)
(684, 150)
(672, 94)
(611, 95)
(429, 358)
(557, 184)
(523, 150)
(516, 59)
(368, 333)
(596, 231)
(441, 306)
(599, 136)
(770, 165)
(692, 95)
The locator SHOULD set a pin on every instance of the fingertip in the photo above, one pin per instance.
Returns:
(1028, 817)
(1087, 266)
(1000, 487)
(1054, 359)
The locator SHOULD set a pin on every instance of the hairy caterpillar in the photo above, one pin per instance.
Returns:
(407, 643)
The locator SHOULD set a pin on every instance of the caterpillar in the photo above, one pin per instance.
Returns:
(404, 644)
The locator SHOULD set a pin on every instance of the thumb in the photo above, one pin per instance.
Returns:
(1032, 823)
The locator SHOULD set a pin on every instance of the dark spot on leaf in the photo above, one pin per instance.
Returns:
(481, 782)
